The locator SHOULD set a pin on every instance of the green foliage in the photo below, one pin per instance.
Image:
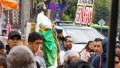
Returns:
(66, 17)
(101, 10)
(70, 11)
(35, 1)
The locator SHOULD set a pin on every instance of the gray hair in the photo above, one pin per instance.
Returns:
(21, 57)
(70, 53)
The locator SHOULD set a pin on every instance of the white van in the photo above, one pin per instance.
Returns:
(80, 35)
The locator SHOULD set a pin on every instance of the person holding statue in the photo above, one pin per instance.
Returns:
(44, 27)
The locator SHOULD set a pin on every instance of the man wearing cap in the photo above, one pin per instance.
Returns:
(2, 47)
(14, 39)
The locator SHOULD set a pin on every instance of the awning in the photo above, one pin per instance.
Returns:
(9, 4)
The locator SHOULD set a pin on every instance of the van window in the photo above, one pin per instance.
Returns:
(83, 35)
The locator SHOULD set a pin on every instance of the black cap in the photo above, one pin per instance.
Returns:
(98, 39)
(1, 45)
(59, 31)
(14, 33)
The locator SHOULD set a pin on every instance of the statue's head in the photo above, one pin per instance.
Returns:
(41, 7)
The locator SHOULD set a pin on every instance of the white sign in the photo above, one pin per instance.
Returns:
(84, 15)
(88, 2)
(101, 22)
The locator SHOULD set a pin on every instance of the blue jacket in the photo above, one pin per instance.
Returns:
(96, 61)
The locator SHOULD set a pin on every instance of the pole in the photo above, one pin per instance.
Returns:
(1, 19)
(22, 17)
(112, 33)
(101, 27)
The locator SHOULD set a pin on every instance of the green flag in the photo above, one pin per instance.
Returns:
(49, 47)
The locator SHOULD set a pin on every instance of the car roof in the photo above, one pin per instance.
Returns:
(73, 27)
(70, 24)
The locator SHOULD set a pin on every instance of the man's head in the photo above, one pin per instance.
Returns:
(14, 39)
(2, 47)
(71, 55)
(117, 60)
(117, 47)
(35, 41)
(59, 33)
(21, 57)
(41, 7)
(68, 42)
(97, 46)
(72, 60)
(3, 60)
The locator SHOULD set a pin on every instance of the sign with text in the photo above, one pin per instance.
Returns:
(84, 12)
(85, 2)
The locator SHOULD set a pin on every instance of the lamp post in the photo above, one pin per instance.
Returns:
(22, 17)
(112, 33)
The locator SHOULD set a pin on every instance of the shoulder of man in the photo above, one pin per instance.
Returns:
(37, 64)
(91, 58)
(40, 62)
(95, 61)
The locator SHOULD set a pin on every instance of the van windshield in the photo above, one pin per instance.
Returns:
(83, 35)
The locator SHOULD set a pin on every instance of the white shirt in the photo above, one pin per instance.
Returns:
(43, 21)
(41, 61)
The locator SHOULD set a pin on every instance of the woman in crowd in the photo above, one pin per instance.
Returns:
(117, 55)
(85, 54)
(117, 48)
(117, 60)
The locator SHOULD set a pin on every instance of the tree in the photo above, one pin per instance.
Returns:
(70, 11)
(37, 1)
(101, 10)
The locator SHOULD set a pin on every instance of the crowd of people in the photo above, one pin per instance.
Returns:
(46, 47)
(19, 53)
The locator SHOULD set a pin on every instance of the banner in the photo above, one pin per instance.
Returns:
(84, 12)
(59, 10)
(55, 11)
(51, 6)
(85, 3)
(8, 29)
(9, 4)
(84, 15)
